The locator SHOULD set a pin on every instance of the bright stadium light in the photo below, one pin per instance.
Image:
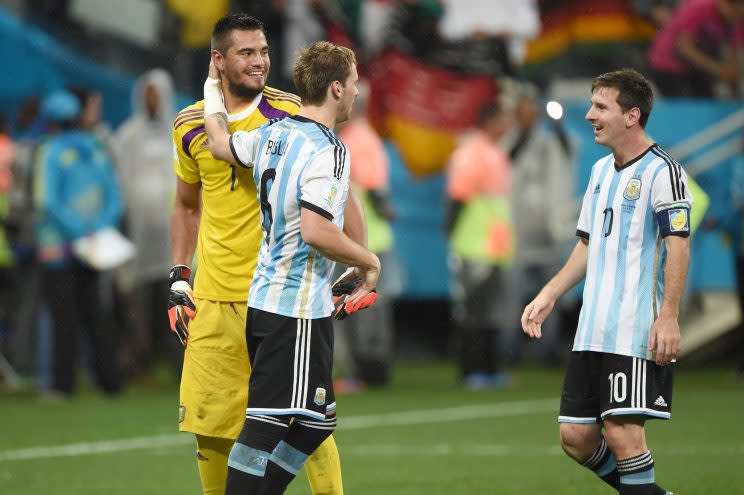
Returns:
(554, 109)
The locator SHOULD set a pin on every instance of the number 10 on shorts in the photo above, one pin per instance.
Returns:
(618, 387)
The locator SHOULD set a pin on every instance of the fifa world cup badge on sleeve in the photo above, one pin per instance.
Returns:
(678, 220)
(329, 194)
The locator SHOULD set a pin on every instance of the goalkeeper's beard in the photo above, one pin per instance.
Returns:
(243, 91)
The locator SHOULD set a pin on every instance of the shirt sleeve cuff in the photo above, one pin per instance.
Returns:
(235, 153)
(317, 209)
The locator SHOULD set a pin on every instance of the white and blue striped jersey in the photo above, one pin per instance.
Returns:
(297, 163)
(626, 213)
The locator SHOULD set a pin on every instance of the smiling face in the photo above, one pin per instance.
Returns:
(607, 117)
(245, 64)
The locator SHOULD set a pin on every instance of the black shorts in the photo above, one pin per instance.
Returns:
(292, 363)
(600, 384)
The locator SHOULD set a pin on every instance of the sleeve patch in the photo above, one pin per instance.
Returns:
(679, 220)
(330, 194)
(674, 221)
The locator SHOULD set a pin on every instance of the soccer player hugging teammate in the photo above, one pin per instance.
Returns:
(634, 251)
(216, 205)
(301, 171)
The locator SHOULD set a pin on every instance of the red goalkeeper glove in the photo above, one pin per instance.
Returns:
(343, 288)
(181, 307)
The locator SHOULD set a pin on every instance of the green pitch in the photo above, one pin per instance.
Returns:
(421, 436)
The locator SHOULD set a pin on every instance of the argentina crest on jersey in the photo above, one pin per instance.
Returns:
(632, 189)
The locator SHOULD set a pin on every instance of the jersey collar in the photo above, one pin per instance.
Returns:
(232, 117)
(619, 167)
(308, 120)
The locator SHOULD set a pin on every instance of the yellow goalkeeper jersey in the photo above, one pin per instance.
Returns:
(229, 233)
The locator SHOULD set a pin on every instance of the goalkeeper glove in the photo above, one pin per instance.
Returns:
(343, 288)
(181, 307)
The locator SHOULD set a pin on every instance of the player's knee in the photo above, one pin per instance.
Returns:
(625, 436)
(579, 441)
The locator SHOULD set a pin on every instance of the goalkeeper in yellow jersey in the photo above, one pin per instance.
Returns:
(216, 214)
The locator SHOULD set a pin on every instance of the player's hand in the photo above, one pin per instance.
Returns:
(534, 314)
(351, 292)
(213, 72)
(665, 339)
(181, 307)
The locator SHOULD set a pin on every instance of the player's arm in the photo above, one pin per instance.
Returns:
(320, 202)
(234, 148)
(322, 234)
(354, 224)
(573, 271)
(665, 334)
(672, 203)
(356, 229)
(185, 222)
(184, 234)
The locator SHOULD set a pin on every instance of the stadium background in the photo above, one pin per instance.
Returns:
(449, 440)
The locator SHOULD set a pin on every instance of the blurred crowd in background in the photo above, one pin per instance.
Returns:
(451, 88)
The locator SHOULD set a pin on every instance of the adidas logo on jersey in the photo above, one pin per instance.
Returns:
(660, 402)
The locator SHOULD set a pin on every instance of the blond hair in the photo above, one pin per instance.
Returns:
(317, 67)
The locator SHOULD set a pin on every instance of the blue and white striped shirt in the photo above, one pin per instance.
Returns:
(297, 163)
(625, 214)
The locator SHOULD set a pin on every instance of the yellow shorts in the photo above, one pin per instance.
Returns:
(214, 381)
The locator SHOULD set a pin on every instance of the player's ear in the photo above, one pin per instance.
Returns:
(632, 117)
(219, 60)
(336, 89)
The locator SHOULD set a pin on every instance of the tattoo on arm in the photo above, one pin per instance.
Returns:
(222, 121)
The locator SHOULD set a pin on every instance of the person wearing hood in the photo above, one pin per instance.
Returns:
(75, 195)
(143, 150)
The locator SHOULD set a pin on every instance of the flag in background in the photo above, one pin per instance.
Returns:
(423, 108)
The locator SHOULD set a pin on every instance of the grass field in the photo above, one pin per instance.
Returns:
(421, 436)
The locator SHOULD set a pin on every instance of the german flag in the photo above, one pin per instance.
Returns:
(568, 23)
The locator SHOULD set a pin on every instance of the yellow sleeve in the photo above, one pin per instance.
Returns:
(184, 165)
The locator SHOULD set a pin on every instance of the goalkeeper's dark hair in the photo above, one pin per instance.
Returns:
(229, 23)
(634, 91)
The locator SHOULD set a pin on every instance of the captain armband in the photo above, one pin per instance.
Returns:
(674, 221)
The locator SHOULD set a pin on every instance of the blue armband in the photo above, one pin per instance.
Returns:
(674, 221)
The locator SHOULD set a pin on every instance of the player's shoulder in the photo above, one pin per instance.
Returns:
(189, 118)
(663, 156)
(326, 140)
(282, 100)
(329, 148)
